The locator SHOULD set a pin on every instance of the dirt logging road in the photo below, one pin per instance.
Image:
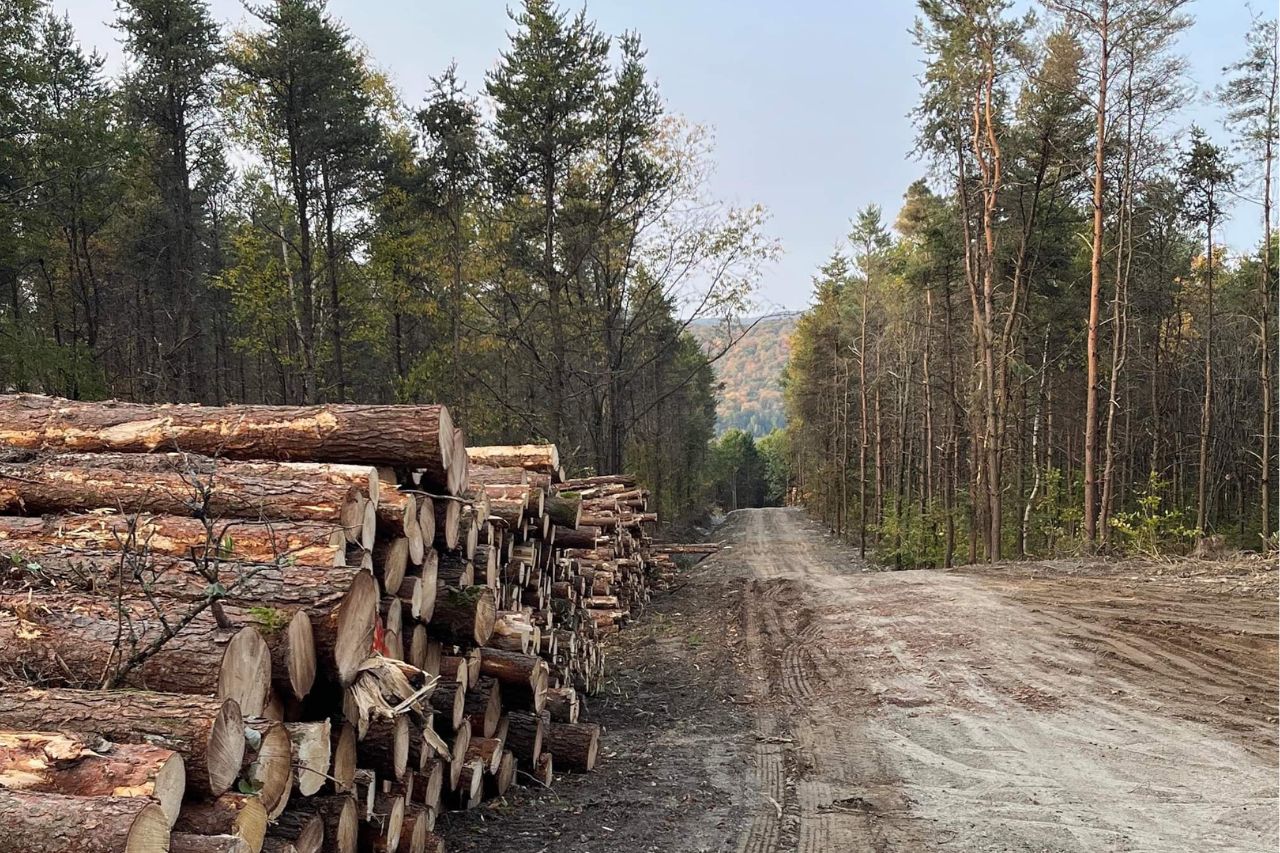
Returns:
(787, 698)
(999, 710)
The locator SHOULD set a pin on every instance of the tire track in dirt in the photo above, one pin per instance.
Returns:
(937, 711)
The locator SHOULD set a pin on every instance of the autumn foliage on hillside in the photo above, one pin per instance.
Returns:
(750, 373)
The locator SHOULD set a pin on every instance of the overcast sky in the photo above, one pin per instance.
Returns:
(808, 98)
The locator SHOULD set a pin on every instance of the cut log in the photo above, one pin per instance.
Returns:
(344, 759)
(182, 842)
(565, 509)
(485, 475)
(381, 833)
(543, 458)
(207, 733)
(56, 763)
(448, 700)
(385, 746)
(428, 580)
(391, 560)
(413, 833)
(470, 791)
(448, 517)
(299, 543)
(574, 745)
(235, 490)
(339, 815)
(524, 737)
(459, 466)
(398, 436)
(312, 754)
(498, 783)
(483, 707)
(301, 826)
(268, 764)
(488, 750)
(76, 640)
(562, 703)
(238, 815)
(687, 548)
(464, 616)
(55, 823)
(426, 518)
(430, 782)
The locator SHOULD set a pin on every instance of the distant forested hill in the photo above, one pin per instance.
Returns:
(750, 373)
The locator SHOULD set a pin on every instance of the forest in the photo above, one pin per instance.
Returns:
(1049, 347)
(260, 215)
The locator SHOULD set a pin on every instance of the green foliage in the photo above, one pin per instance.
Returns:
(908, 538)
(738, 471)
(775, 451)
(270, 620)
(1152, 529)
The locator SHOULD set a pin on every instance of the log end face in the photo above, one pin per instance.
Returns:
(302, 655)
(245, 674)
(171, 786)
(149, 832)
(224, 752)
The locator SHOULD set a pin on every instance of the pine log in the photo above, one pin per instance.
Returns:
(55, 823)
(583, 483)
(575, 745)
(399, 436)
(344, 751)
(448, 516)
(385, 746)
(207, 733)
(584, 536)
(75, 640)
(524, 736)
(183, 842)
(565, 509)
(430, 782)
(488, 750)
(236, 489)
(562, 703)
(470, 790)
(66, 763)
(448, 700)
(687, 548)
(464, 616)
(483, 707)
(268, 763)
(337, 813)
(485, 475)
(459, 465)
(312, 754)
(237, 815)
(299, 543)
(391, 561)
(543, 458)
(461, 739)
(381, 832)
(413, 833)
(429, 582)
(300, 827)
(523, 677)
(497, 783)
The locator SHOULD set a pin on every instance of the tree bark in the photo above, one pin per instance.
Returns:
(207, 733)
(419, 437)
(54, 763)
(54, 823)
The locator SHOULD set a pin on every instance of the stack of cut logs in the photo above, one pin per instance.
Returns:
(286, 629)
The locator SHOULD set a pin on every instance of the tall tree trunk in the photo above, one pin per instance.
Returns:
(1206, 410)
(1095, 285)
